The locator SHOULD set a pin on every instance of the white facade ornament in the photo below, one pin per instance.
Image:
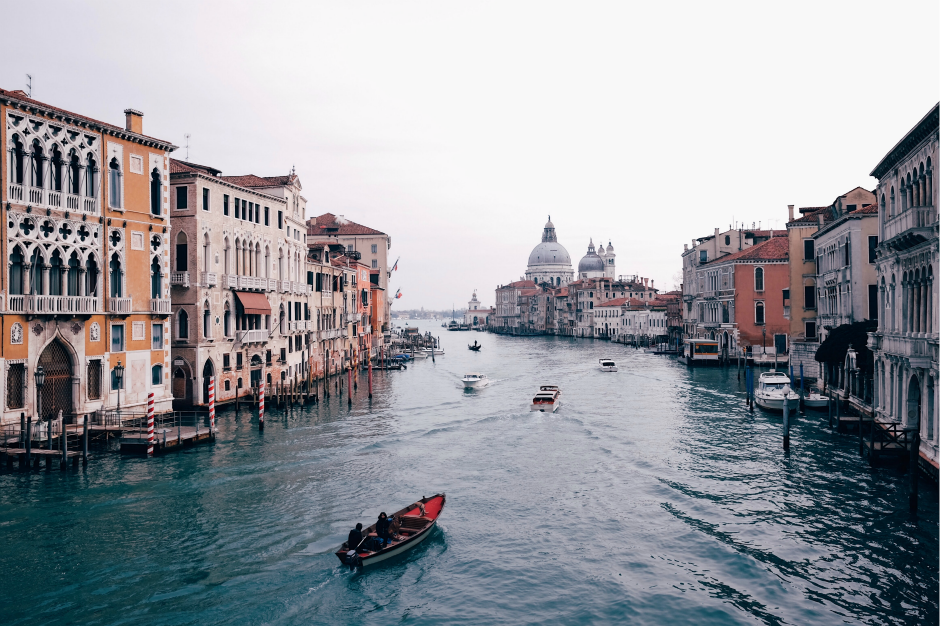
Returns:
(95, 332)
(16, 333)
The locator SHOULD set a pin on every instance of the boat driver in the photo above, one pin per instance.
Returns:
(355, 537)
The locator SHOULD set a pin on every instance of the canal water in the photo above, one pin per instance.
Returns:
(650, 497)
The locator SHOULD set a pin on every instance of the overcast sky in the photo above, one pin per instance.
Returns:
(457, 128)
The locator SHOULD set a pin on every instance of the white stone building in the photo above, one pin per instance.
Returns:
(549, 262)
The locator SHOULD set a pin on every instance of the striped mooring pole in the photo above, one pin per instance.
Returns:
(261, 405)
(211, 406)
(150, 424)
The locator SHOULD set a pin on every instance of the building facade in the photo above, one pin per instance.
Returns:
(86, 239)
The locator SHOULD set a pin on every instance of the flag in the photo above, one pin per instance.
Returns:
(395, 267)
(398, 294)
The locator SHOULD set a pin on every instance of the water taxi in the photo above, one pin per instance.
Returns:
(410, 526)
(771, 388)
(475, 381)
(547, 399)
(607, 365)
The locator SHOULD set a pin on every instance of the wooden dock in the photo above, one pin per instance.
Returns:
(164, 439)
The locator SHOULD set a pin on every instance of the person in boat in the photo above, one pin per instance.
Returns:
(382, 527)
(355, 537)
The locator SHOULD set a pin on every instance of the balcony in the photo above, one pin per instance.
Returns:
(252, 336)
(284, 287)
(911, 219)
(272, 284)
(160, 306)
(120, 306)
(54, 305)
(209, 279)
(252, 282)
(50, 198)
(179, 279)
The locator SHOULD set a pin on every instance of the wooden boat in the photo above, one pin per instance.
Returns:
(475, 347)
(413, 523)
(547, 399)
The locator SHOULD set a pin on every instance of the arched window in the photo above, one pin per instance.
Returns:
(91, 170)
(206, 322)
(156, 193)
(182, 253)
(227, 322)
(73, 274)
(16, 272)
(55, 274)
(267, 262)
(882, 203)
(56, 169)
(19, 159)
(228, 385)
(225, 257)
(36, 167)
(182, 327)
(758, 279)
(758, 312)
(91, 276)
(35, 273)
(156, 375)
(156, 279)
(206, 252)
(114, 183)
(75, 174)
(116, 274)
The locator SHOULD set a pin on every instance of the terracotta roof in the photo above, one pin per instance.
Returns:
(868, 209)
(614, 302)
(522, 284)
(182, 167)
(811, 209)
(562, 292)
(20, 95)
(766, 233)
(328, 224)
(528, 292)
(774, 249)
(813, 217)
(250, 180)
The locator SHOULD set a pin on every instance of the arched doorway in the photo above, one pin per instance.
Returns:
(57, 392)
(207, 373)
(256, 371)
(913, 402)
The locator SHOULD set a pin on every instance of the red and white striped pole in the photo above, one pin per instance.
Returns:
(261, 405)
(211, 405)
(150, 424)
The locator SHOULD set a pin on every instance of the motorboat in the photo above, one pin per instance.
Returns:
(475, 381)
(816, 400)
(419, 354)
(772, 386)
(410, 526)
(607, 365)
(435, 351)
(547, 399)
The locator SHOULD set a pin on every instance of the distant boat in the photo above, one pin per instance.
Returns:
(475, 381)
(476, 346)
(411, 525)
(607, 365)
(547, 399)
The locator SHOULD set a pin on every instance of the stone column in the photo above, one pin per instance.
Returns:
(64, 284)
(28, 279)
(929, 187)
(45, 279)
(81, 281)
(930, 305)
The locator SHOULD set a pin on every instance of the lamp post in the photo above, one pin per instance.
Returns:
(119, 379)
(40, 375)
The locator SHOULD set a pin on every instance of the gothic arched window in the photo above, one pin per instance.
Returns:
(114, 183)
(156, 279)
(156, 193)
(182, 328)
(115, 276)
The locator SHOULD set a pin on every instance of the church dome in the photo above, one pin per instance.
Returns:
(610, 248)
(549, 253)
(591, 262)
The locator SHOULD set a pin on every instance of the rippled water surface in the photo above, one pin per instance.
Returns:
(650, 497)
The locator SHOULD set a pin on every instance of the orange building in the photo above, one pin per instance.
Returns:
(86, 283)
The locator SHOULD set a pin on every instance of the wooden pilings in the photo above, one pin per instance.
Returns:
(913, 469)
(786, 422)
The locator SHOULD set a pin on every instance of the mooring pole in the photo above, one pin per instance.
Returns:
(751, 387)
(370, 374)
(349, 385)
(150, 418)
(29, 440)
(915, 453)
(802, 393)
(261, 406)
(65, 444)
(85, 441)
(786, 421)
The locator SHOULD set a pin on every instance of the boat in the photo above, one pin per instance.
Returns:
(771, 388)
(401, 357)
(410, 525)
(453, 326)
(419, 354)
(475, 381)
(607, 365)
(815, 400)
(699, 352)
(437, 351)
(547, 399)
(475, 347)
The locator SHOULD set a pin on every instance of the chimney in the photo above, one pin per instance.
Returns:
(685, 246)
(134, 121)
(819, 217)
(790, 208)
(652, 284)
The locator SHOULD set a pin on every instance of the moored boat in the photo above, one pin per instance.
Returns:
(410, 526)
(475, 381)
(772, 388)
(547, 399)
(815, 400)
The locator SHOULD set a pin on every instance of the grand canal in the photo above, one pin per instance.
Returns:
(650, 497)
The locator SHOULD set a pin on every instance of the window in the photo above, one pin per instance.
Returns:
(16, 379)
(786, 295)
(759, 313)
(93, 375)
(182, 253)
(702, 256)
(251, 211)
(809, 296)
(727, 240)
(117, 338)
(267, 357)
(267, 216)
(114, 182)
(873, 302)
(375, 248)
(116, 276)
(872, 248)
(156, 335)
(809, 249)
(156, 373)
(205, 199)
(758, 279)
(283, 355)
(182, 199)
(228, 385)
(225, 204)
(226, 362)
(156, 279)
(850, 207)
(156, 192)
(182, 331)
(238, 360)
(375, 264)
(280, 219)
(810, 330)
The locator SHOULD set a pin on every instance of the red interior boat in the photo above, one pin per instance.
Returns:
(410, 526)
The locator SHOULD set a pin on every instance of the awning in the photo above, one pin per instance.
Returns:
(254, 303)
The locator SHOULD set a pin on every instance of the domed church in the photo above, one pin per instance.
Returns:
(598, 263)
(550, 262)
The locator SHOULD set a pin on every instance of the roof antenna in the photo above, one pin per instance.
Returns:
(29, 85)
(187, 136)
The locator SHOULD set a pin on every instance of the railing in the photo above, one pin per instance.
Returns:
(284, 287)
(120, 306)
(55, 198)
(209, 279)
(53, 304)
(921, 217)
(72, 202)
(15, 193)
(52, 198)
(230, 280)
(180, 279)
(252, 336)
(272, 284)
(131, 422)
(160, 306)
(37, 195)
(252, 282)
(89, 205)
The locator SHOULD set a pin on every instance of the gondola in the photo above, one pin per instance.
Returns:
(411, 525)
(475, 347)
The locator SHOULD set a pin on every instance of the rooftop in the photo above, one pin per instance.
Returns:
(329, 225)
(776, 248)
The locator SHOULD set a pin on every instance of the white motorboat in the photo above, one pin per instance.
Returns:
(771, 388)
(607, 365)
(435, 351)
(547, 399)
(419, 354)
(815, 400)
(475, 381)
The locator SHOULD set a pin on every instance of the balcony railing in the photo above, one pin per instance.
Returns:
(160, 306)
(209, 279)
(39, 197)
(52, 305)
(284, 287)
(921, 217)
(180, 279)
(252, 336)
(119, 306)
(230, 281)
(272, 284)
(252, 282)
